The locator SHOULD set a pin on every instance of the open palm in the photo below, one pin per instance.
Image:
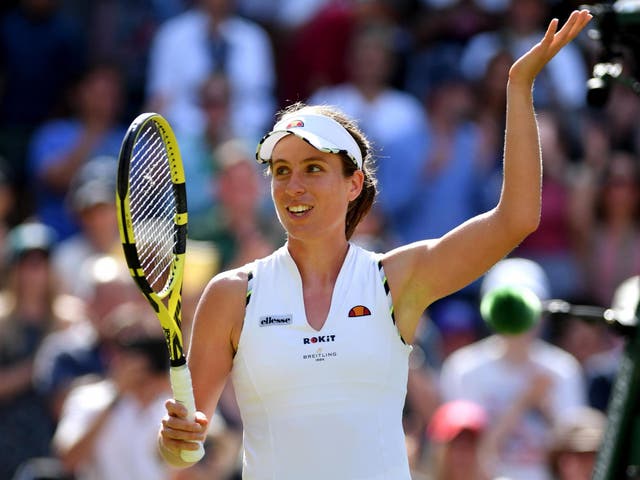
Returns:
(525, 69)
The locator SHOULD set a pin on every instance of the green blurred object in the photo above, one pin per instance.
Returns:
(511, 309)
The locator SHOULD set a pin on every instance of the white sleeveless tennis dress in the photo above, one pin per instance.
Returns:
(321, 404)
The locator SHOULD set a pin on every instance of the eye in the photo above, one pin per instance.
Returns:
(280, 170)
(314, 168)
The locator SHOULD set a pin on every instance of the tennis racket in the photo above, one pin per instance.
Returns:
(151, 203)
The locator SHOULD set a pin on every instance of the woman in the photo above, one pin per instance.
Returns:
(315, 337)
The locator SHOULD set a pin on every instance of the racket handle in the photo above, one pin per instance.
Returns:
(183, 393)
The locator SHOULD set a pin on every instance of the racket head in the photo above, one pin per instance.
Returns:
(152, 205)
(151, 202)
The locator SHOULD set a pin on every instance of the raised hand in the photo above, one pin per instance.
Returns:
(525, 69)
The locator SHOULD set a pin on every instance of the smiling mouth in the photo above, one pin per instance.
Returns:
(299, 209)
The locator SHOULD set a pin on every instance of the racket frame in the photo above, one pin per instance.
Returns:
(169, 315)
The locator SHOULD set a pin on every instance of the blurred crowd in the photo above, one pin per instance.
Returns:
(82, 364)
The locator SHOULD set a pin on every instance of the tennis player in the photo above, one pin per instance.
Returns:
(316, 336)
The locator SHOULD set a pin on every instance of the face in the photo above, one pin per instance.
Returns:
(100, 94)
(461, 455)
(309, 189)
(239, 188)
(32, 271)
(621, 192)
(576, 466)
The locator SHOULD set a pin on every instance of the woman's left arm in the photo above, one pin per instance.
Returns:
(422, 272)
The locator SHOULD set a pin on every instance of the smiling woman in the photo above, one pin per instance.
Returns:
(327, 130)
(321, 390)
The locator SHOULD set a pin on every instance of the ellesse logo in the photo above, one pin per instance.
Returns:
(269, 320)
(359, 311)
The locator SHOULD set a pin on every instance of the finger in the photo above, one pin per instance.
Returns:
(172, 427)
(564, 34)
(176, 409)
(550, 34)
(202, 419)
(180, 434)
(177, 445)
(180, 423)
(578, 20)
(572, 27)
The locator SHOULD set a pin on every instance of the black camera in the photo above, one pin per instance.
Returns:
(617, 29)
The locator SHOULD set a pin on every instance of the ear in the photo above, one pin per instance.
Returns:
(356, 182)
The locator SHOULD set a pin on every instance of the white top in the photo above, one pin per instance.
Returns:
(321, 404)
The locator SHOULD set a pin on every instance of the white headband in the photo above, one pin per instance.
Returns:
(320, 131)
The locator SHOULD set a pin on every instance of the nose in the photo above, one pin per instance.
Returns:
(295, 185)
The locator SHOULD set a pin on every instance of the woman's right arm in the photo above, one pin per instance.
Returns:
(214, 339)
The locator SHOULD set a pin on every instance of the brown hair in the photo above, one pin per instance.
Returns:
(359, 207)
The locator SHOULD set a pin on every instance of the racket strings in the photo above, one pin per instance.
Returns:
(153, 207)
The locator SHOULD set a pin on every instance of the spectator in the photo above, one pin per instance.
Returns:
(312, 65)
(524, 383)
(106, 430)
(575, 443)
(210, 38)
(455, 433)
(200, 164)
(91, 201)
(387, 115)
(27, 315)
(441, 168)
(81, 349)
(238, 227)
(60, 147)
(621, 112)
(608, 227)
(440, 30)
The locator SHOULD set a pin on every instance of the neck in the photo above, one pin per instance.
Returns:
(516, 348)
(320, 260)
(370, 91)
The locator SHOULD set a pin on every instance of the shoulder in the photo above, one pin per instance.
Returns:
(230, 284)
(237, 25)
(470, 358)
(221, 308)
(55, 128)
(184, 24)
(555, 358)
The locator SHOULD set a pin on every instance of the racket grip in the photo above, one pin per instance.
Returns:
(183, 393)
